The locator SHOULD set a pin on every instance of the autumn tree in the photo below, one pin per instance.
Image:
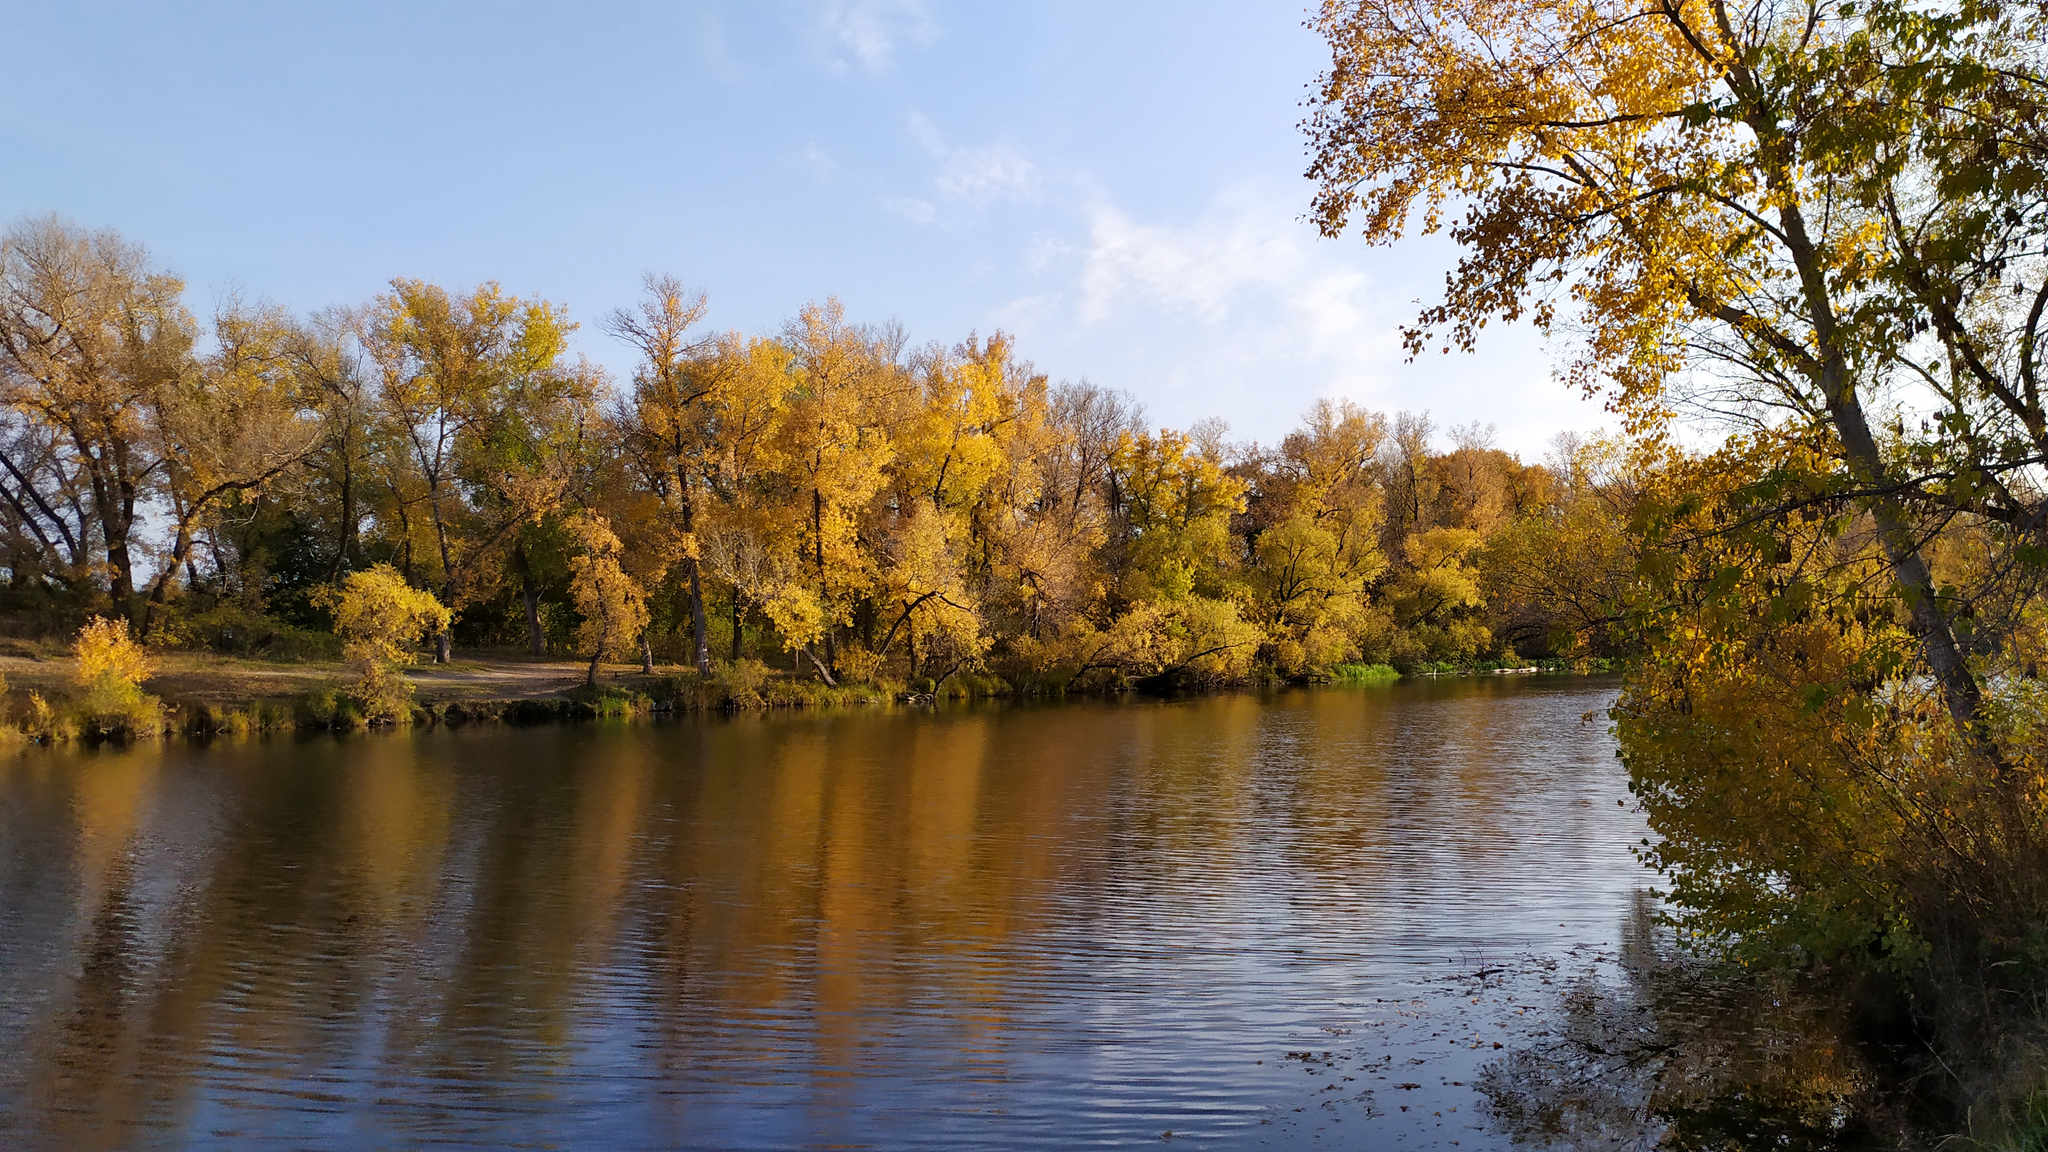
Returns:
(1316, 541)
(111, 669)
(238, 421)
(613, 606)
(1059, 513)
(833, 439)
(380, 619)
(1823, 226)
(944, 525)
(91, 337)
(745, 513)
(1778, 213)
(329, 364)
(676, 392)
(480, 420)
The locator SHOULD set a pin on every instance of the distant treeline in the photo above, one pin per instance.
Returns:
(826, 497)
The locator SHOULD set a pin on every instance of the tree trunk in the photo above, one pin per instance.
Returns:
(536, 642)
(738, 625)
(123, 585)
(646, 655)
(699, 627)
(590, 677)
(818, 546)
(447, 571)
(346, 538)
(1960, 690)
(181, 550)
(823, 672)
(118, 554)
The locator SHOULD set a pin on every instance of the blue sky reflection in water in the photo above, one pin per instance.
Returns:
(1004, 928)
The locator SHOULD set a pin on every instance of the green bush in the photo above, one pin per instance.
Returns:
(1364, 674)
(608, 700)
(328, 707)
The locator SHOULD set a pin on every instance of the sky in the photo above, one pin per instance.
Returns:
(1117, 185)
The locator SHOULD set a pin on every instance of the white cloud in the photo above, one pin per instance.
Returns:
(967, 176)
(975, 174)
(1242, 312)
(1198, 270)
(872, 29)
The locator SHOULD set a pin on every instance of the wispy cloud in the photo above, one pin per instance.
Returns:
(872, 30)
(1199, 269)
(1241, 311)
(978, 173)
(966, 177)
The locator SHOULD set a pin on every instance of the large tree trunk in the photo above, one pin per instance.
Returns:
(646, 655)
(117, 518)
(1959, 687)
(123, 586)
(535, 641)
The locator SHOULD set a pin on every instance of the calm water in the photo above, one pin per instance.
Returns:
(1225, 922)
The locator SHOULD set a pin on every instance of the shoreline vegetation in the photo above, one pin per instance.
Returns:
(1801, 250)
(201, 695)
(822, 512)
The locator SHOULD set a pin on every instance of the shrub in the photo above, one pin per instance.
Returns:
(613, 607)
(738, 683)
(609, 700)
(43, 721)
(111, 669)
(380, 618)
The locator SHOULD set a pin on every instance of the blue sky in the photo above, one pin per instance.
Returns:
(1117, 184)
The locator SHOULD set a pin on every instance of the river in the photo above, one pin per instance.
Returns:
(1232, 921)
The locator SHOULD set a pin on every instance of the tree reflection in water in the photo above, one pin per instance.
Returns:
(1669, 1052)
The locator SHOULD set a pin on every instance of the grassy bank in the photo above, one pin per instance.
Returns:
(205, 693)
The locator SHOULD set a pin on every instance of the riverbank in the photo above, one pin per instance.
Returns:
(204, 692)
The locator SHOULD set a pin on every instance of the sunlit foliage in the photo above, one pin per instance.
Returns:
(381, 619)
(826, 499)
(111, 669)
(1822, 227)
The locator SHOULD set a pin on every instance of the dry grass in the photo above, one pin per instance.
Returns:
(207, 678)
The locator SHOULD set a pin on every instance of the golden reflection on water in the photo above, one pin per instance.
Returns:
(1003, 926)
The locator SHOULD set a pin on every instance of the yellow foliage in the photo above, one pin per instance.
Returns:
(380, 619)
(613, 607)
(111, 669)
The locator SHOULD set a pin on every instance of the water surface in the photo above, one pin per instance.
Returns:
(1232, 922)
